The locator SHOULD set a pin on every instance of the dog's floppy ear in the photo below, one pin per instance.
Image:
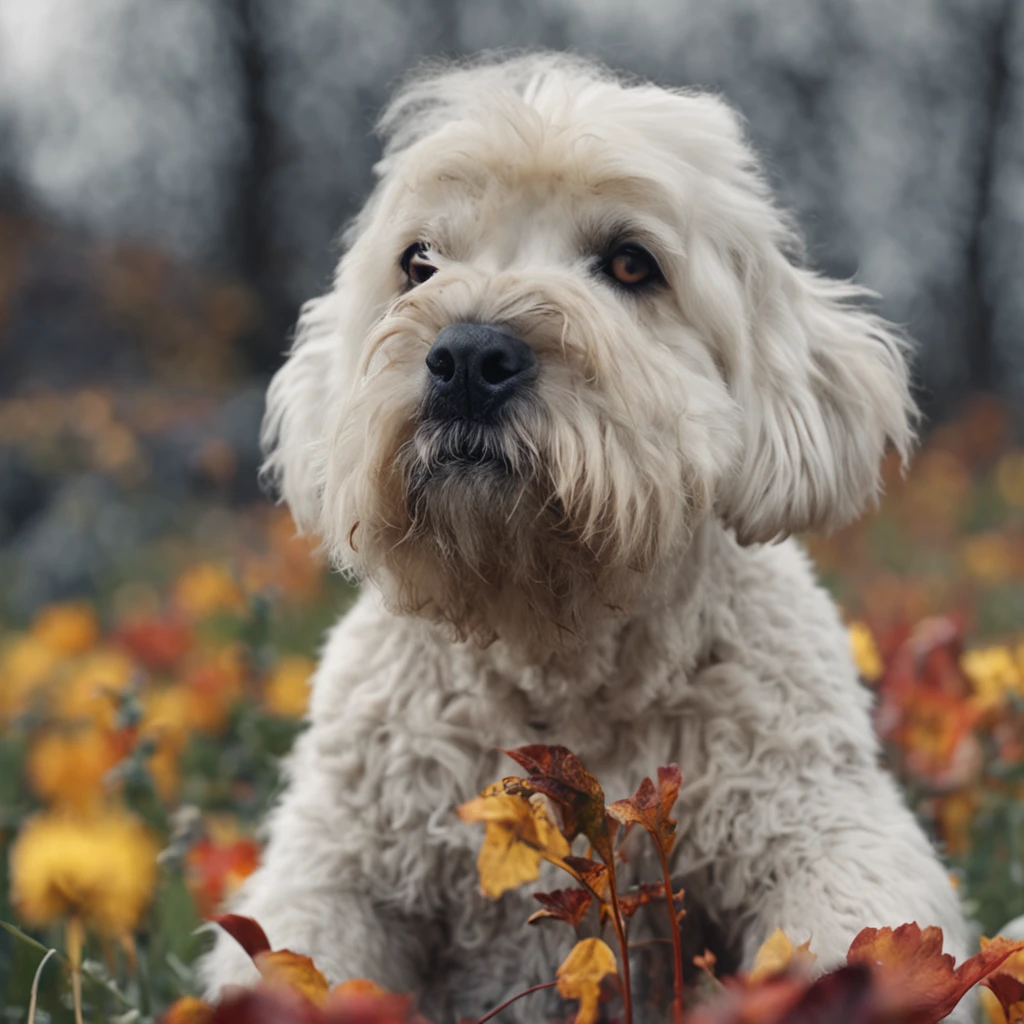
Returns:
(822, 389)
(820, 382)
(299, 401)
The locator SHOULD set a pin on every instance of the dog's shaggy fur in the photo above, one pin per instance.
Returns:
(607, 569)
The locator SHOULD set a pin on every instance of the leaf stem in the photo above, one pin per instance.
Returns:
(35, 987)
(14, 930)
(677, 943)
(620, 932)
(508, 1002)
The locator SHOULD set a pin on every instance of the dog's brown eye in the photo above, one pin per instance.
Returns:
(630, 265)
(416, 263)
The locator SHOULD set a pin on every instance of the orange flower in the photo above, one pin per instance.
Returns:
(67, 629)
(214, 687)
(217, 865)
(92, 686)
(208, 589)
(68, 769)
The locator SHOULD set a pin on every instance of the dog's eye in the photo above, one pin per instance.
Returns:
(416, 263)
(632, 266)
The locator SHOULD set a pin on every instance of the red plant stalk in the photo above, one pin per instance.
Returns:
(509, 1002)
(677, 942)
(620, 932)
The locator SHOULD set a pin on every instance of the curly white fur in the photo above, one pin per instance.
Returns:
(609, 587)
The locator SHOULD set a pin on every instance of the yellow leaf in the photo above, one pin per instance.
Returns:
(587, 965)
(777, 955)
(519, 834)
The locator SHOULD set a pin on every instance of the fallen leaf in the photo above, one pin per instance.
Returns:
(587, 965)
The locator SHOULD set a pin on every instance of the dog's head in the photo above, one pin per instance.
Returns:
(567, 327)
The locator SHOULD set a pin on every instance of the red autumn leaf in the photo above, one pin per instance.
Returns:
(569, 905)
(591, 873)
(265, 1006)
(559, 774)
(845, 995)
(246, 932)
(630, 902)
(650, 807)
(914, 972)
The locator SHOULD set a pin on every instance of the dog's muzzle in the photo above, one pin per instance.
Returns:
(474, 370)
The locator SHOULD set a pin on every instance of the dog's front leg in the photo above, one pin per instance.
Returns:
(855, 858)
(325, 887)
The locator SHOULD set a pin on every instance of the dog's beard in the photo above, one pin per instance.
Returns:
(464, 525)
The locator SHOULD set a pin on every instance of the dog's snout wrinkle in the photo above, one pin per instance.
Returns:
(474, 369)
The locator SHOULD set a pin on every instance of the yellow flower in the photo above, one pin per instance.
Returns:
(68, 629)
(865, 652)
(26, 666)
(89, 694)
(207, 589)
(286, 693)
(100, 869)
(1010, 478)
(988, 557)
(68, 769)
(994, 675)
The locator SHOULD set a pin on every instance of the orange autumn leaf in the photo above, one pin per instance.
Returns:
(917, 974)
(293, 971)
(188, 1010)
(587, 965)
(778, 955)
(1002, 998)
(559, 774)
(357, 987)
(519, 835)
(650, 807)
(630, 902)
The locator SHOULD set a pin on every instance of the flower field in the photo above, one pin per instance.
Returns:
(140, 727)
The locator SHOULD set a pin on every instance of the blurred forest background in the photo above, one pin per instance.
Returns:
(173, 178)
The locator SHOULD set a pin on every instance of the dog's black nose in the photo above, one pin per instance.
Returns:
(474, 369)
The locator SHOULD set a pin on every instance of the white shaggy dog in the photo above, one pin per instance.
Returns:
(570, 392)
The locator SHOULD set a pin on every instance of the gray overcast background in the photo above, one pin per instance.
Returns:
(235, 133)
